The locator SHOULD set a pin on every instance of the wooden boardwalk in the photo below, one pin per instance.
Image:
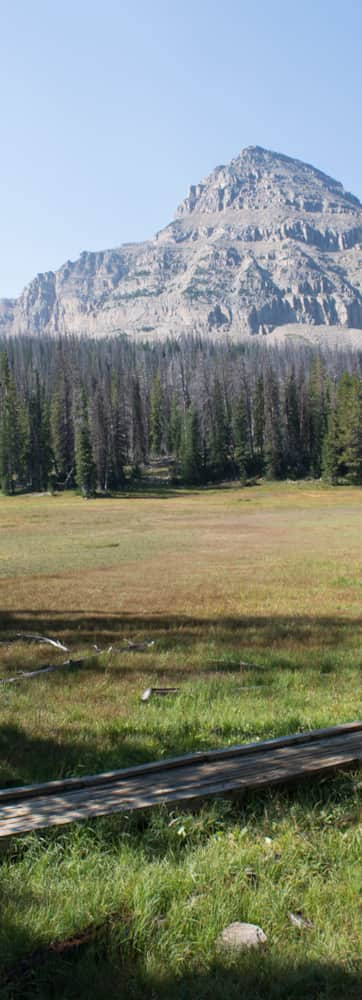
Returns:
(183, 780)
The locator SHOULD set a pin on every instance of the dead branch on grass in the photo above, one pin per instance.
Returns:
(35, 638)
(43, 638)
(149, 692)
(50, 668)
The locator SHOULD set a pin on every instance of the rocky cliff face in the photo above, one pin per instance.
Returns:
(262, 242)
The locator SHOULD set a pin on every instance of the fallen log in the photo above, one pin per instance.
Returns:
(50, 668)
(43, 638)
(35, 638)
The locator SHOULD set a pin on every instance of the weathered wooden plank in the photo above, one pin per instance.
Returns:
(196, 779)
(168, 763)
(140, 772)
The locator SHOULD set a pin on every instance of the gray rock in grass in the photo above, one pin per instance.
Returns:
(239, 935)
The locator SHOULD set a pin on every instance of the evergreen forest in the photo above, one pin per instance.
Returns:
(99, 415)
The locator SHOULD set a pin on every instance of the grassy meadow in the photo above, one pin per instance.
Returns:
(271, 575)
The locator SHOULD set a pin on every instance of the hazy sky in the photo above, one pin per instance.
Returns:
(109, 110)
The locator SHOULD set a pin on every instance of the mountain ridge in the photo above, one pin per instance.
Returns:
(261, 242)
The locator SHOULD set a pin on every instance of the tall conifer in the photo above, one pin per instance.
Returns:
(85, 466)
(11, 430)
(218, 437)
(259, 424)
(62, 423)
(191, 461)
(242, 455)
(273, 446)
(157, 417)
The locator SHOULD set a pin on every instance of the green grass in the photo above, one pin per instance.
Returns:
(270, 575)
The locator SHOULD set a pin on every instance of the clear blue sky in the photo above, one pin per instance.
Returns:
(111, 108)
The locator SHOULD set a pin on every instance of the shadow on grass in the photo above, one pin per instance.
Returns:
(254, 978)
(153, 490)
(144, 489)
(261, 632)
(25, 758)
(107, 969)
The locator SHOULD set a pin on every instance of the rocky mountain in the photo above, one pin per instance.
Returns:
(263, 242)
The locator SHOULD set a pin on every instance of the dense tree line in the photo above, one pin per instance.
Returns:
(93, 414)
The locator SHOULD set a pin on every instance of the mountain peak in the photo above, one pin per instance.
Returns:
(261, 242)
(260, 179)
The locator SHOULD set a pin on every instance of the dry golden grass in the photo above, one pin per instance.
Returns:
(269, 550)
(270, 574)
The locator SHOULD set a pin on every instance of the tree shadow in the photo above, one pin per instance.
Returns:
(107, 968)
(29, 759)
(260, 632)
(256, 978)
(25, 758)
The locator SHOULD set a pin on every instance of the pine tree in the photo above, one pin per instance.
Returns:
(331, 452)
(85, 466)
(342, 457)
(157, 417)
(318, 415)
(62, 426)
(259, 424)
(175, 429)
(351, 431)
(11, 430)
(343, 420)
(47, 461)
(191, 462)
(100, 434)
(242, 454)
(218, 436)
(293, 458)
(273, 447)
(118, 444)
(39, 451)
(305, 427)
(139, 450)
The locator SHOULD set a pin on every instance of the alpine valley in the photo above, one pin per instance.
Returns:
(264, 245)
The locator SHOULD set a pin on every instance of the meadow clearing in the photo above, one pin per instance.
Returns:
(270, 574)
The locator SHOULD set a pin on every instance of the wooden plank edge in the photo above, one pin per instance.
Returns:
(199, 757)
(221, 789)
(288, 759)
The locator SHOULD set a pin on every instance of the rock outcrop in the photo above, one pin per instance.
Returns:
(262, 242)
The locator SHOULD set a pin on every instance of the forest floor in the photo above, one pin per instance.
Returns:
(271, 575)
